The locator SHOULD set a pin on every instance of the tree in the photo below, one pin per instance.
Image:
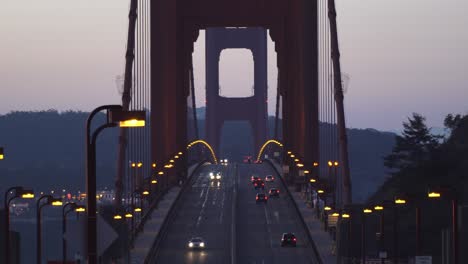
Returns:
(413, 147)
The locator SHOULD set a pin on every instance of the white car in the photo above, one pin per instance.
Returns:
(215, 177)
(269, 178)
(196, 242)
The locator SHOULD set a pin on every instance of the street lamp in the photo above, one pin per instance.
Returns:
(1, 153)
(365, 212)
(450, 193)
(19, 192)
(50, 200)
(77, 209)
(115, 116)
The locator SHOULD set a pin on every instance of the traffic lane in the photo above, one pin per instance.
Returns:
(204, 211)
(262, 225)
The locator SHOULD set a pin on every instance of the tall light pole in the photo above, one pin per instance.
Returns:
(450, 193)
(73, 207)
(49, 201)
(115, 117)
(18, 192)
(365, 212)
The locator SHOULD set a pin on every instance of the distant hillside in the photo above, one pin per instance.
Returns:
(46, 149)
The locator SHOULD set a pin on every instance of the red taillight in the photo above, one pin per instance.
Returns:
(294, 239)
(266, 197)
(256, 198)
(255, 184)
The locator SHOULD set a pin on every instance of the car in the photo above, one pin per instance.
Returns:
(261, 197)
(259, 184)
(273, 192)
(254, 178)
(269, 178)
(216, 176)
(288, 239)
(196, 243)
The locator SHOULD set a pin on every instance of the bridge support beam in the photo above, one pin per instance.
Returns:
(252, 109)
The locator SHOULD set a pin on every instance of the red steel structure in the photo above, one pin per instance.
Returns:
(220, 109)
(293, 27)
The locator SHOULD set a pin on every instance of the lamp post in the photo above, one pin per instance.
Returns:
(115, 116)
(18, 192)
(398, 201)
(365, 212)
(73, 207)
(380, 208)
(49, 201)
(450, 193)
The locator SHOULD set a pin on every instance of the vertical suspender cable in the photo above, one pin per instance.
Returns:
(339, 98)
(277, 105)
(126, 98)
(192, 91)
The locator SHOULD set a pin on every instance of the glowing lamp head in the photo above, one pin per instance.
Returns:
(171, 161)
(56, 202)
(330, 163)
(180, 153)
(140, 164)
(315, 164)
(367, 211)
(306, 172)
(29, 194)
(378, 208)
(327, 208)
(345, 215)
(292, 156)
(161, 173)
(400, 201)
(80, 209)
(145, 193)
(133, 164)
(296, 160)
(117, 217)
(335, 163)
(137, 210)
(154, 181)
(434, 195)
(1, 154)
(132, 123)
(153, 165)
(320, 191)
(335, 214)
(312, 180)
(176, 156)
(128, 215)
(289, 152)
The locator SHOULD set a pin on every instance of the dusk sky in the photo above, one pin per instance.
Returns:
(402, 57)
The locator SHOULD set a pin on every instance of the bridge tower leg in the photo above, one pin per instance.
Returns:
(296, 41)
(220, 109)
(170, 60)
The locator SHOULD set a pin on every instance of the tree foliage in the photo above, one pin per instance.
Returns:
(413, 147)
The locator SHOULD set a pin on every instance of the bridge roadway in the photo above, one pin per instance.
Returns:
(234, 227)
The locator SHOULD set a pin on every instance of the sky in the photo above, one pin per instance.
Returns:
(402, 57)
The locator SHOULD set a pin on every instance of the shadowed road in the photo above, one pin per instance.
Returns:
(235, 228)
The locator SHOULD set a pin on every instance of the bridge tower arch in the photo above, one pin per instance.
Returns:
(252, 109)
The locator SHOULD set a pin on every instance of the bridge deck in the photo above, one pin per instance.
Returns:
(206, 210)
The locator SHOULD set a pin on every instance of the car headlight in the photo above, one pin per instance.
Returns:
(190, 244)
(202, 244)
(212, 177)
(218, 177)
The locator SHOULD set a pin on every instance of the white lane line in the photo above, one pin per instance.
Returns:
(268, 227)
(201, 193)
(203, 208)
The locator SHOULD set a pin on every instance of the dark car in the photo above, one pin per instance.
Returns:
(259, 184)
(261, 197)
(273, 192)
(288, 239)
(253, 179)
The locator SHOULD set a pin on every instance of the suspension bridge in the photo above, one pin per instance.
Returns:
(173, 189)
